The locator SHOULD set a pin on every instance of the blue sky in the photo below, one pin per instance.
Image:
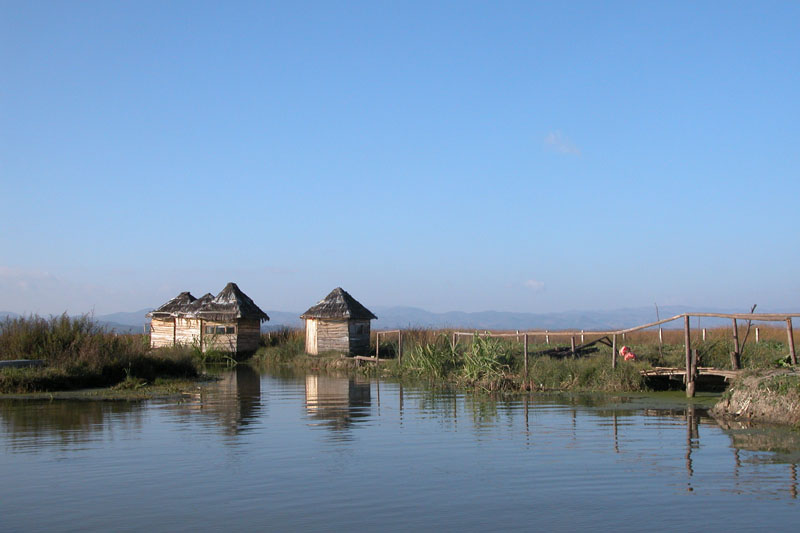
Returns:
(519, 156)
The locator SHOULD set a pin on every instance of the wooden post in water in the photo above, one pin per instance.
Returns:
(613, 352)
(790, 334)
(691, 375)
(736, 358)
(572, 345)
(399, 345)
(525, 356)
(377, 343)
(687, 341)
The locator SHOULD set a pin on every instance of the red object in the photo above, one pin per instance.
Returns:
(627, 354)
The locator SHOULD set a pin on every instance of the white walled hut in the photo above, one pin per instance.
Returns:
(229, 321)
(337, 323)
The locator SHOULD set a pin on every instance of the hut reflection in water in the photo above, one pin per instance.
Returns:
(336, 402)
(234, 402)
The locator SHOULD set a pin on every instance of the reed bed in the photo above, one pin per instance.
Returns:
(78, 353)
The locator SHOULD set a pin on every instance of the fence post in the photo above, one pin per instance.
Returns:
(377, 343)
(690, 375)
(454, 340)
(613, 352)
(399, 345)
(687, 342)
(572, 345)
(790, 334)
(546, 337)
(582, 341)
(525, 355)
(758, 336)
(704, 334)
(736, 358)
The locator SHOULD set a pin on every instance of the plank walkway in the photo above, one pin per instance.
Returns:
(701, 371)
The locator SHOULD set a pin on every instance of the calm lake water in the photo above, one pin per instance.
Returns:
(318, 452)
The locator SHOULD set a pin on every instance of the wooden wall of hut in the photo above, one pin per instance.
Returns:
(162, 332)
(347, 336)
(248, 335)
(229, 336)
(331, 336)
(311, 336)
(219, 335)
(187, 331)
(234, 336)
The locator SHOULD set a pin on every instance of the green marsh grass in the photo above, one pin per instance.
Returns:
(80, 354)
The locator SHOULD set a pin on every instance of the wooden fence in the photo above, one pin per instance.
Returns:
(691, 355)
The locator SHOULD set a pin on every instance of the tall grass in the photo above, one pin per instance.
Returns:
(435, 359)
(79, 353)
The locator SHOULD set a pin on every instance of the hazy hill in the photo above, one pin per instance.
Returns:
(405, 317)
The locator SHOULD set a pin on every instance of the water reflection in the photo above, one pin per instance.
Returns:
(678, 442)
(234, 403)
(30, 425)
(336, 403)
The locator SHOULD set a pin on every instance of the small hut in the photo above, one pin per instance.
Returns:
(337, 323)
(229, 321)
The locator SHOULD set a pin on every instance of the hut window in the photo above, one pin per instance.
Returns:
(209, 330)
(230, 330)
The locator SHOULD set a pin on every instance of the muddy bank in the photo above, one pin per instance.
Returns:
(771, 396)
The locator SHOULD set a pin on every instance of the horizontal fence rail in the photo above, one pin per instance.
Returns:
(762, 317)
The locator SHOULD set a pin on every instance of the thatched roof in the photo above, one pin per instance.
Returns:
(339, 305)
(174, 306)
(230, 304)
(198, 304)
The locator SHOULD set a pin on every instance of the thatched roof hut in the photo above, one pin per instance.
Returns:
(338, 322)
(229, 321)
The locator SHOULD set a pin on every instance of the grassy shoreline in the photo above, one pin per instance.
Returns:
(162, 389)
(78, 354)
(497, 363)
(82, 360)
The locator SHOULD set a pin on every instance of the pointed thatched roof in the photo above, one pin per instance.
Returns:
(230, 304)
(339, 305)
(173, 307)
(199, 303)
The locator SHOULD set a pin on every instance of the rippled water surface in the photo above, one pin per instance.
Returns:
(317, 452)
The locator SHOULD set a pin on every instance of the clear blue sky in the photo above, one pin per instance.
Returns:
(520, 156)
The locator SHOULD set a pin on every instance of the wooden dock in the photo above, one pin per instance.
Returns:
(701, 371)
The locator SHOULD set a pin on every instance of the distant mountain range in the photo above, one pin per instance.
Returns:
(412, 317)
